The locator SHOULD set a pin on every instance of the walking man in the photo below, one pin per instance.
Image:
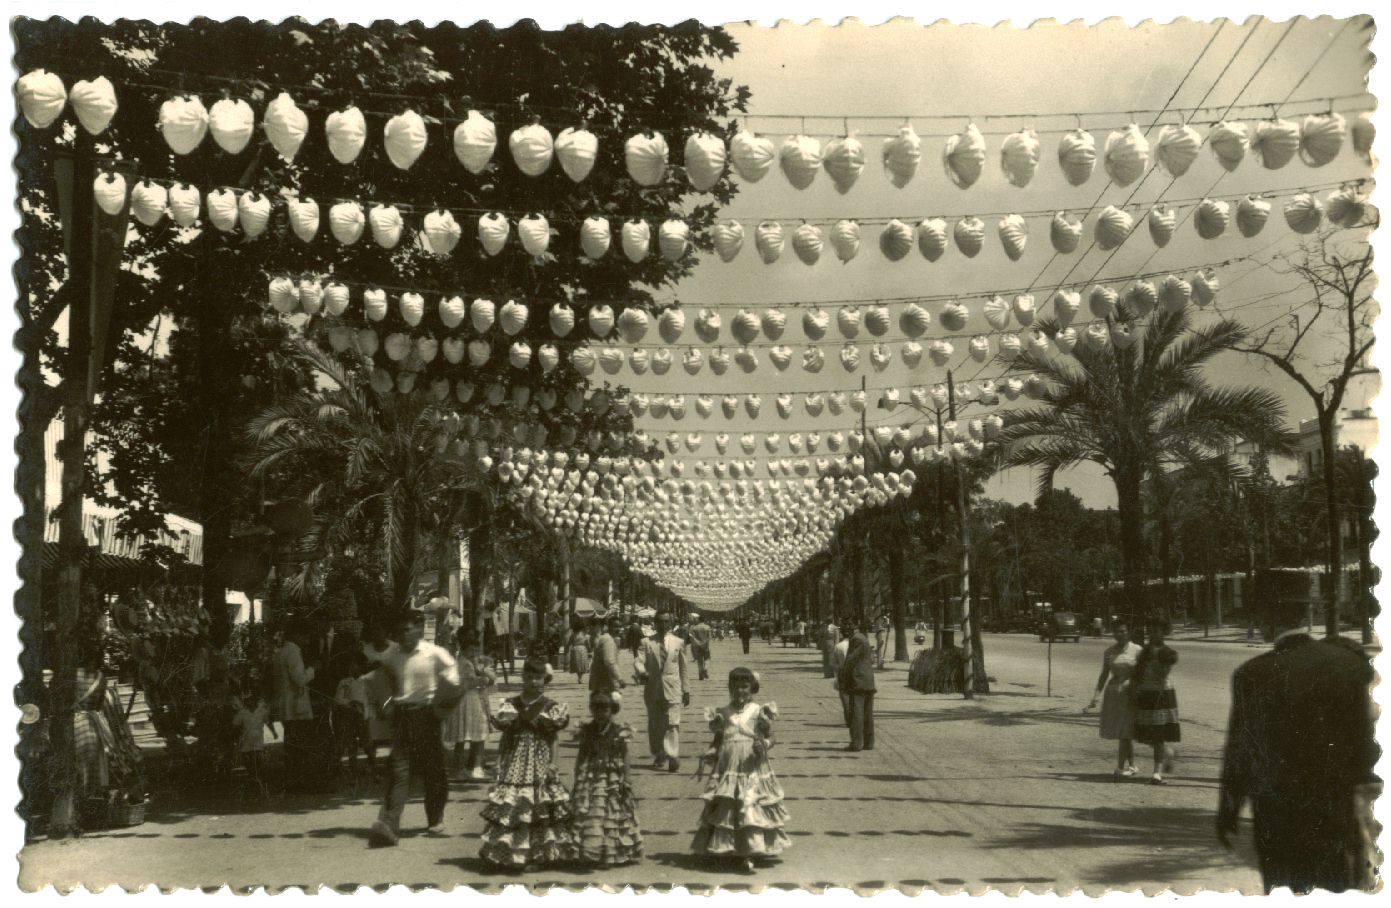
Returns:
(661, 667)
(603, 671)
(745, 631)
(1300, 748)
(881, 640)
(425, 685)
(830, 636)
(700, 634)
(857, 689)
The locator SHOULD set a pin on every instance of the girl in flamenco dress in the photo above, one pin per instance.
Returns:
(744, 816)
(527, 818)
(605, 819)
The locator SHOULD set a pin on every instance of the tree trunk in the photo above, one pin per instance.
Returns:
(1335, 527)
(479, 544)
(898, 607)
(1131, 513)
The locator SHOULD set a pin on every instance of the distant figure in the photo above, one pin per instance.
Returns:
(881, 640)
(290, 704)
(661, 666)
(1300, 745)
(603, 673)
(857, 689)
(1117, 705)
(700, 634)
(830, 636)
(632, 637)
(745, 632)
(801, 632)
(577, 650)
(1156, 703)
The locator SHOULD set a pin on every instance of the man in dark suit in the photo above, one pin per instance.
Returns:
(1299, 746)
(857, 688)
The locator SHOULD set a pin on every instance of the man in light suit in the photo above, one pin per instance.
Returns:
(1300, 747)
(290, 704)
(661, 667)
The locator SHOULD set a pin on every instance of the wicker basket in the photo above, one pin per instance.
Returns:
(122, 815)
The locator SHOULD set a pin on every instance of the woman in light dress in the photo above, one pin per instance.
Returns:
(1117, 706)
(577, 651)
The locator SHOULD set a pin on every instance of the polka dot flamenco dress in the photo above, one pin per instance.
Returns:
(527, 818)
(605, 815)
(744, 815)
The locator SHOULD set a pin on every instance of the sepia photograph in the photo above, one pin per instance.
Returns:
(1005, 525)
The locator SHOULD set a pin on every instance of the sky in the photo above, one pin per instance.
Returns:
(822, 82)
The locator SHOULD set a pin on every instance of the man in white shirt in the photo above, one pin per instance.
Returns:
(424, 683)
(661, 667)
(290, 705)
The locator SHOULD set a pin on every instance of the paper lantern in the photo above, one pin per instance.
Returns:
(584, 360)
(475, 140)
(901, 155)
(347, 222)
(284, 296)
(745, 326)
(346, 133)
(747, 360)
(493, 231)
(635, 237)
(1175, 293)
(1275, 142)
(645, 156)
(412, 308)
(848, 321)
(1205, 285)
(595, 236)
(940, 352)
(451, 311)
(576, 150)
(1102, 301)
(953, 316)
(94, 103)
(912, 353)
(286, 126)
(479, 351)
(1077, 156)
(768, 240)
(932, 238)
(1211, 218)
(1304, 213)
(1112, 227)
(1014, 234)
(1140, 298)
(844, 161)
(600, 320)
(896, 240)
(963, 156)
(1127, 155)
(366, 342)
(997, 312)
(148, 202)
(1098, 337)
(426, 349)
(674, 239)
(442, 232)
(513, 317)
(1066, 304)
(1177, 148)
(222, 206)
(532, 149)
(969, 234)
(815, 322)
(707, 325)
(42, 97)
(397, 346)
(1162, 222)
(534, 231)
(183, 121)
(1010, 347)
(304, 218)
(374, 303)
(1229, 142)
(850, 357)
(1346, 206)
(751, 155)
(1364, 134)
(1019, 156)
(611, 359)
(705, 160)
(877, 319)
(184, 204)
(1251, 214)
(482, 315)
(633, 325)
(386, 224)
(1023, 306)
(781, 356)
(914, 320)
(807, 243)
(1064, 233)
(800, 160)
(1320, 138)
(813, 360)
(773, 323)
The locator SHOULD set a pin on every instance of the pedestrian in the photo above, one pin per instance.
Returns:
(829, 637)
(251, 721)
(661, 667)
(743, 817)
(290, 705)
(466, 727)
(1117, 705)
(425, 686)
(605, 823)
(603, 675)
(881, 640)
(527, 818)
(632, 637)
(1156, 703)
(765, 630)
(350, 731)
(745, 631)
(700, 633)
(1300, 748)
(577, 650)
(857, 689)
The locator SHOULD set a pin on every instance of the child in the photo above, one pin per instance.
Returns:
(251, 720)
(743, 815)
(466, 728)
(350, 719)
(606, 824)
(527, 819)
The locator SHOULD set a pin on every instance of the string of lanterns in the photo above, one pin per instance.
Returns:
(186, 122)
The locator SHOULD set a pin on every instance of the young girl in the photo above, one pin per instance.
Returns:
(605, 820)
(466, 728)
(527, 819)
(251, 720)
(743, 816)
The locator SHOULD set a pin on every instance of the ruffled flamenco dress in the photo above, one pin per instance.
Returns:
(605, 812)
(744, 815)
(527, 818)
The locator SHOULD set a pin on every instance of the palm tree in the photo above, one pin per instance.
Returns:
(1138, 410)
(385, 465)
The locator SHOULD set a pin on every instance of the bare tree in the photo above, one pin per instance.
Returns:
(1337, 266)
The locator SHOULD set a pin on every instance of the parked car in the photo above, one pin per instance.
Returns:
(1061, 626)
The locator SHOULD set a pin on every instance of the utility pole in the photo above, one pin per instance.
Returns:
(968, 682)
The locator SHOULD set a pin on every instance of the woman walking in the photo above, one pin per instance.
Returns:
(1117, 707)
(1156, 704)
(577, 651)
